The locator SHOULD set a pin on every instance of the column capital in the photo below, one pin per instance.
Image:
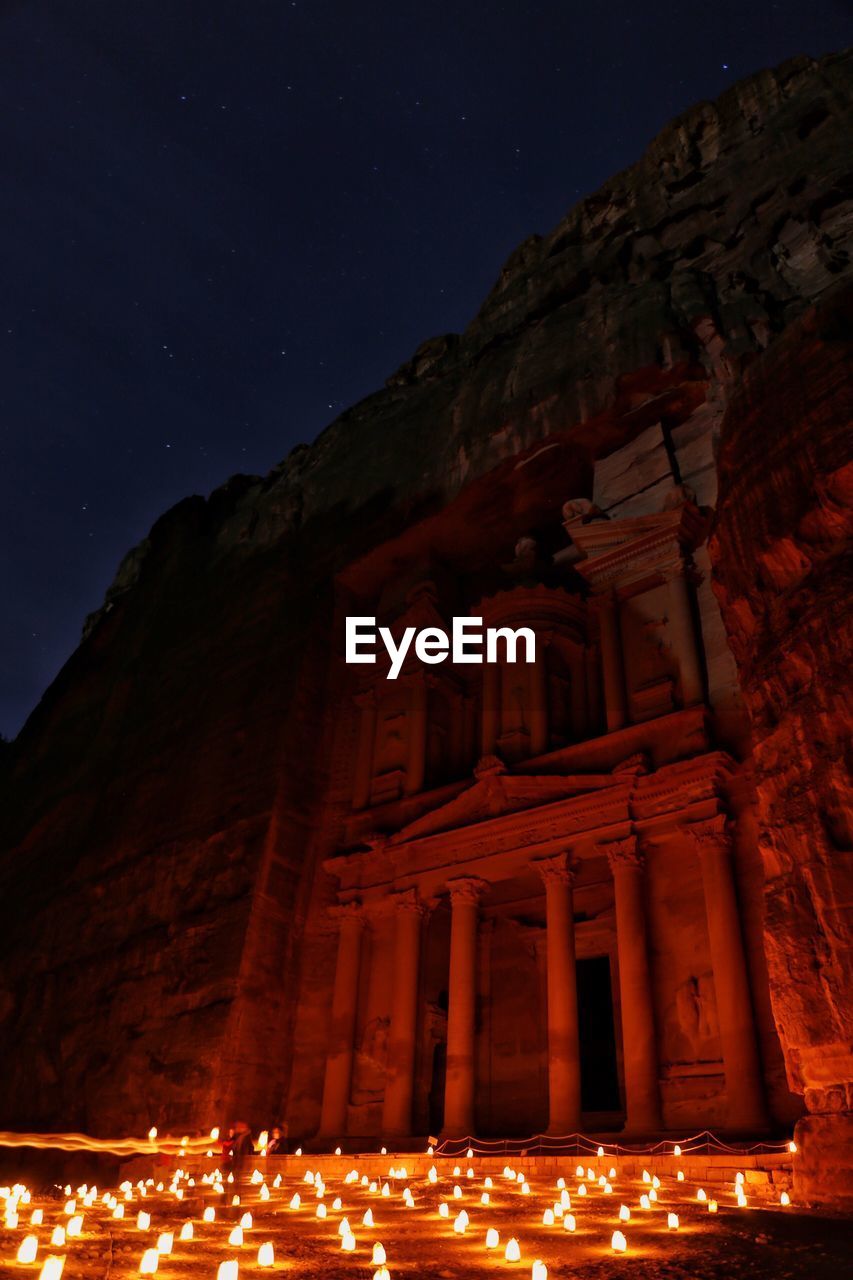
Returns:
(555, 870)
(466, 889)
(623, 853)
(712, 835)
(344, 912)
(408, 902)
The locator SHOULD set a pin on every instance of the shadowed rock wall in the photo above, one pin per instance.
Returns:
(164, 807)
(784, 578)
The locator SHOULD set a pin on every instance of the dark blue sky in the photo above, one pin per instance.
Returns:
(223, 222)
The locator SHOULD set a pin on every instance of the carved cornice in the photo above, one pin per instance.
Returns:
(623, 854)
(556, 870)
(467, 889)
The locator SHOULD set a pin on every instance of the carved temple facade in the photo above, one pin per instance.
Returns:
(530, 910)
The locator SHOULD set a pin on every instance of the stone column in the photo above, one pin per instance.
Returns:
(400, 1069)
(364, 756)
(564, 1064)
(538, 676)
(611, 660)
(746, 1106)
(639, 1037)
(684, 638)
(417, 728)
(336, 1086)
(490, 708)
(465, 896)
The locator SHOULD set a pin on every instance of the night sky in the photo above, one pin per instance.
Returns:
(221, 223)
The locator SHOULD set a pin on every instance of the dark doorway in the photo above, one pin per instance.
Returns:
(436, 1089)
(599, 1073)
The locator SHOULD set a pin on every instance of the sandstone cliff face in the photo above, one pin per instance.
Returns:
(782, 565)
(163, 809)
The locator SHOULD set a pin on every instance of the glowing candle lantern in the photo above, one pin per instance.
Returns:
(165, 1242)
(600, 1151)
(457, 1192)
(266, 1254)
(52, 1268)
(492, 1238)
(382, 1273)
(348, 1242)
(656, 1181)
(512, 1253)
(277, 1181)
(579, 1171)
(378, 1257)
(484, 1198)
(558, 1209)
(582, 1189)
(457, 1171)
(487, 1182)
(739, 1178)
(590, 1175)
(645, 1202)
(186, 1231)
(246, 1222)
(408, 1199)
(460, 1222)
(214, 1135)
(149, 1263)
(548, 1218)
(152, 1133)
(676, 1150)
(265, 1192)
(432, 1176)
(70, 1206)
(470, 1153)
(569, 1223)
(367, 1220)
(525, 1188)
(672, 1221)
(337, 1151)
(792, 1147)
(27, 1249)
(321, 1210)
(236, 1236)
(561, 1182)
(443, 1210)
(680, 1175)
(75, 1226)
(700, 1194)
(37, 1217)
(209, 1214)
(295, 1201)
(647, 1177)
(227, 1270)
(143, 1220)
(653, 1195)
(298, 1151)
(784, 1199)
(58, 1237)
(741, 1199)
(343, 1227)
(624, 1213)
(540, 1271)
(11, 1219)
(618, 1243)
(386, 1190)
(565, 1199)
(611, 1173)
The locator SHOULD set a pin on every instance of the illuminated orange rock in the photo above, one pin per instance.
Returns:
(781, 553)
(243, 880)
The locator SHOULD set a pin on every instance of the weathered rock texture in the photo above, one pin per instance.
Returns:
(166, 807)
(782, 563)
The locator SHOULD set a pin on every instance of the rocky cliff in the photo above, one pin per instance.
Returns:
(163, 808)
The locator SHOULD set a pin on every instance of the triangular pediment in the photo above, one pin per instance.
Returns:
(496, 793)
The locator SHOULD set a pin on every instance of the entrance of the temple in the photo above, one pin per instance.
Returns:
(599, 1071)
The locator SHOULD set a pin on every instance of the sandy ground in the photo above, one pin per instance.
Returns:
(756, 1241)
